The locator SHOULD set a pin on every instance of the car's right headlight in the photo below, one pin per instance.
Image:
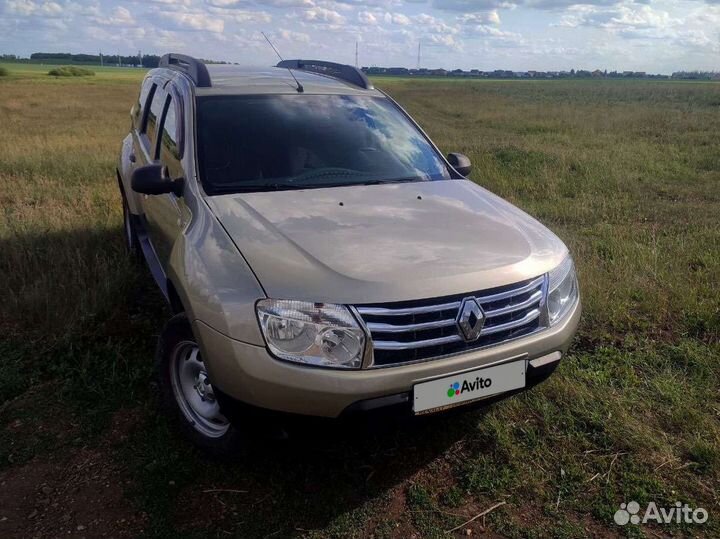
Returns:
(320, 334)
(562, 290)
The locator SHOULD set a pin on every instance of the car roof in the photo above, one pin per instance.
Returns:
(236, 80)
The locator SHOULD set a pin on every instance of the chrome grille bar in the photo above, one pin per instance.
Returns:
(391, 328)
(381, 311)
(529, 317)
(395, 345)
(536, 297)
(512, 293)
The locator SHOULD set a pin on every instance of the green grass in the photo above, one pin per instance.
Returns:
(626, 172)
(71, 71)
(38, 74)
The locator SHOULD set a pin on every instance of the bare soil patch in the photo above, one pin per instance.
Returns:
(72, 493)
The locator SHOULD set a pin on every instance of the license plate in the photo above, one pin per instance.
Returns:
(468, 386)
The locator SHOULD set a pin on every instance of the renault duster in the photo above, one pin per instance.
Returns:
(321, 255)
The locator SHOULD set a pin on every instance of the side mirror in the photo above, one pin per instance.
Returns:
(152, 179)
(460, 162)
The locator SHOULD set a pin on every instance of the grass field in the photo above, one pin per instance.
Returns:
(626, 172)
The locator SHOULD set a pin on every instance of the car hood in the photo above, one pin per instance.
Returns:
(388, 242)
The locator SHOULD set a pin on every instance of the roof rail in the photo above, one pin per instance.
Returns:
(343, 72)
(192, 67)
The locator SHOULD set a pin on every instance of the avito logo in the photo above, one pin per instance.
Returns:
(457, 389)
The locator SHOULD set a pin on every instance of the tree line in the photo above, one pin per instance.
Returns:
(147, 60)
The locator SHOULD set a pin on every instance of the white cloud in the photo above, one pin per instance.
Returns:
(366, 17)
(295, 37)
(484, 17)
(171, 2)
(226, 3)
(251, 16)
(444, 40)
(30, 7)
(397, 18)
(435, 24)
(323, 16)
(120, 16)
(194, 21)
(630, 20)
(494, 32)
(287, 3)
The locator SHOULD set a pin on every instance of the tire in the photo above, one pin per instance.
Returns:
(187, 396)
(132, 244)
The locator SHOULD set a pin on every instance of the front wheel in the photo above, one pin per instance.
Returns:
(187, 393)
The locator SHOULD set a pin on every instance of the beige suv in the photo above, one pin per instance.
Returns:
(323, 257)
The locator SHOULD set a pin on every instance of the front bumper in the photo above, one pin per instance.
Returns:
(249, 374)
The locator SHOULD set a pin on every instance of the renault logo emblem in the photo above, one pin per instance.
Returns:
(470, 319)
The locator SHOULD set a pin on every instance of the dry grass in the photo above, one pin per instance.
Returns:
(61, 255)
(627, 173)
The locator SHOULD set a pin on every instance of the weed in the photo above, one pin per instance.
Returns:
(71, 71)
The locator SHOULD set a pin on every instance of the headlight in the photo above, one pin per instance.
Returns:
(562, 290)
(314, 333)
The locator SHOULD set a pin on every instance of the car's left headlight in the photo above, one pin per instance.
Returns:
(319, 334)
(562, 290)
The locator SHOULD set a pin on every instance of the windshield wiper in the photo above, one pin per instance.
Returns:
(292, 185)
(393, 180)
(252, 188)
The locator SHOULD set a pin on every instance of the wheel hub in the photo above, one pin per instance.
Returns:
(203, 387)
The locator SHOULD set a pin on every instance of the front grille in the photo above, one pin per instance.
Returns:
(408, 331)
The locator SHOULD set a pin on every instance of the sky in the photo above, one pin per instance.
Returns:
(656, 36)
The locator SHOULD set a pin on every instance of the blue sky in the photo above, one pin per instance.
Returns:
(649, 35)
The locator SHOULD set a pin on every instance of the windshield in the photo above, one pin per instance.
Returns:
(256, 143)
